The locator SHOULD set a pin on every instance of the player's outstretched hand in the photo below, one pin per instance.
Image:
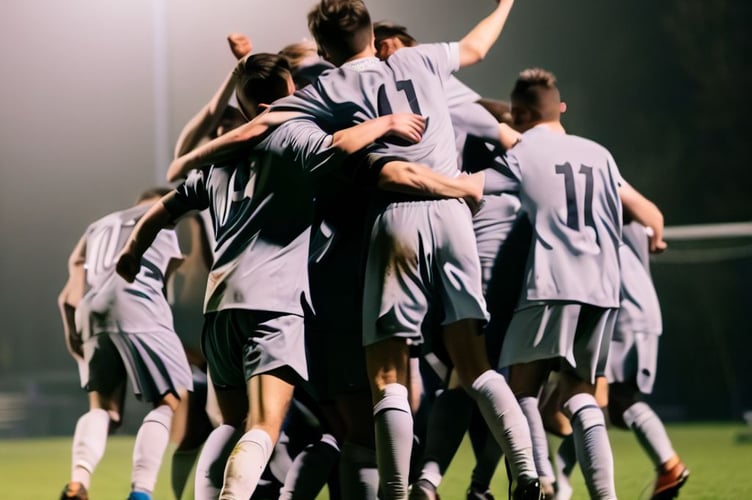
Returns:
(407, 126)
(240, 45)
(128, 266)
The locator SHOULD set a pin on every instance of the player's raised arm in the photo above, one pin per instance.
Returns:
(71, 295)
(644, 211)
(476, 44)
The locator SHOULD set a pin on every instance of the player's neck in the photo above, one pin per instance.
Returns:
(553, 125)
(367, 52)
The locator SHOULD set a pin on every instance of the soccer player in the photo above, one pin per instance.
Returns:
(631, 368)
(481, 135)
(119, 332)
(569, 188)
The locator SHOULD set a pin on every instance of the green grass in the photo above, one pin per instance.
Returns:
(36, 469)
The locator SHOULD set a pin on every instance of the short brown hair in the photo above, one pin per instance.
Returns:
(341, 27)
(385, 29)
(536, 89)
(263, 77)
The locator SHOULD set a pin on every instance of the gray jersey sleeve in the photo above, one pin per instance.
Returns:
(303, 144)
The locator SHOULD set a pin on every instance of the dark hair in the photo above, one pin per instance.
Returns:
(341, 27)
(262, 78)
(155, 192)
(386, 29)
(536, 89)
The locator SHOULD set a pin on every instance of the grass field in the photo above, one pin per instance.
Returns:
(721, 466)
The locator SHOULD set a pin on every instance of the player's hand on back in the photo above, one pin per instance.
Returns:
(474, 184)
(240, 45)
(128, 266)
(407, 126)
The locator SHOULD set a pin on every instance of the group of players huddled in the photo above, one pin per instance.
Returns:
(392, 256)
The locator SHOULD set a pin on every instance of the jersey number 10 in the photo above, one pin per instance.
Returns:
(573, 220)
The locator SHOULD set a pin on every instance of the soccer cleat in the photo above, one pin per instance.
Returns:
(423, 489)
(71, 492)
(475, 493)
(139, 495)
(527, 488)
(668, 484)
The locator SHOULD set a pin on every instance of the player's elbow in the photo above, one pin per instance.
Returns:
(471, 53)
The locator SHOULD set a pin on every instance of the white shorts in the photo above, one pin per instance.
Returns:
(578, 334)
(155, 364)
(422, 260)
(632, 359)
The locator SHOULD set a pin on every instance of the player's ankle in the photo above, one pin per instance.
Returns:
(669, 464)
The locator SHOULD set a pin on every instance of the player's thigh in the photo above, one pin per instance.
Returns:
(592, 342)
(106, 373)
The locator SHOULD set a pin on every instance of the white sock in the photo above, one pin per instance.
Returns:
(151, 442)
(180, 470)
(650, 433)
(246, 464)
(394, 440)
(592, 446)
(89, 441)
(447, 423)
(358, 474)
(529, 406)
(506, 421)
(211, 462)
(311, 469)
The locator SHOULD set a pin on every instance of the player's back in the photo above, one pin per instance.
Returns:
(261, 215)
(569, 189)
(410, 81)
(113, 303)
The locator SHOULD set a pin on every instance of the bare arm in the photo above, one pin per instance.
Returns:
(420, 180)
(644, 211)
(226, 146)
(508, 136)
(143, 235)
(476, 44)
(404, 125)
(70, 296)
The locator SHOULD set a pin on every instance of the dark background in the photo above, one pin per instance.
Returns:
(94, 94)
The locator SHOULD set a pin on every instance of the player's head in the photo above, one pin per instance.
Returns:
(341, 28)
(535, 99)
(152, 194)
(262, 79)
(390, 37)
(305, 62)
(300, 53)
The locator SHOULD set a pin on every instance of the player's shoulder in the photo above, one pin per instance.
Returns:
(588, 144)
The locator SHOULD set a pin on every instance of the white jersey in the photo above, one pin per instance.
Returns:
(410, 81)
(569, 190)
(640, 310)
(111, 304)
(261, 215)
